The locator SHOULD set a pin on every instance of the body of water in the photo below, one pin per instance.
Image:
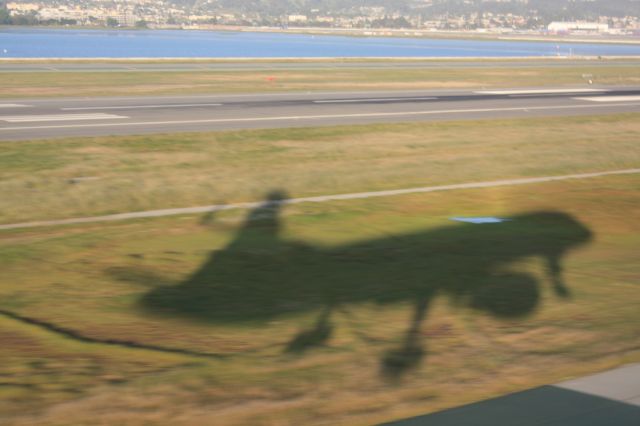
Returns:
(67, 43)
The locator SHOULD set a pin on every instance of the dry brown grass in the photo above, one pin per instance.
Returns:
(45, 84)
(151, 172)
(470, 356)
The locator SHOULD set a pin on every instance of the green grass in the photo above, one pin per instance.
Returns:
(494, 324)
(44, 84)
(162, 171)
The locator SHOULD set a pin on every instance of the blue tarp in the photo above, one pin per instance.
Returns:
(480, 220)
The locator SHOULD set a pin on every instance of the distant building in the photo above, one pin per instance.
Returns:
(577, 27)
(325, 19)
(297, 18)
(21, 8)
(126, 18)
(62, 12)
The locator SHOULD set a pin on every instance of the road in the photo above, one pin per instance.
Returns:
(124, 65)
(50, 118)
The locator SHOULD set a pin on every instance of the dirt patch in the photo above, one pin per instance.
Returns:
(18, 343)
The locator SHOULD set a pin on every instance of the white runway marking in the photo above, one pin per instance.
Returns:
(343, 101)
(137, 107)
(57, 117)
(537, 91)
(13, 106)
(610, 99)
(318, 199)
(315, 117)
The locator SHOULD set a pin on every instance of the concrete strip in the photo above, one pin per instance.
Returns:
(13, 106)
(622, 384)
(342, 101)
(610, 99)
(318, 199)
(171, 66)
(138, 107)
(57, 117)
(536, 91)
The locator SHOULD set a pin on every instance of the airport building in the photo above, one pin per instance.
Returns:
(577, 28)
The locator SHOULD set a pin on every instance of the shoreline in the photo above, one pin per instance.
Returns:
(420, 34)
(327, 59)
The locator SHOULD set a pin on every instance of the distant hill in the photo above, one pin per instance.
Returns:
(531, 14)
(547, 9)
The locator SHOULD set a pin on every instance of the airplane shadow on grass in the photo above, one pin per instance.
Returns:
(259, 275)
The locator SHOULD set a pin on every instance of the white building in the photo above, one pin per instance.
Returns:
(62, 12)
(577, 27)
(297, 18)
(22, 8)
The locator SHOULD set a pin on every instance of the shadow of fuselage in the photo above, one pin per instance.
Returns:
(259, 275)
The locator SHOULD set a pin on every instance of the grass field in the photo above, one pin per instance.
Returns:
(309, 316)
(44, 84)
(119, 174)
(349, 312)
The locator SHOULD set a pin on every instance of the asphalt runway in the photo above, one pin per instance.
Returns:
(308, 65)
(52, 118)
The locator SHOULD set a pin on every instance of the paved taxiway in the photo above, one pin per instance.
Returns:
(48, 118)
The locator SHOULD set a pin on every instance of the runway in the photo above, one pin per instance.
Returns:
(52, 118)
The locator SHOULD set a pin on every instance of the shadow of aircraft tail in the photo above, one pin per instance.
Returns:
(259, 275)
